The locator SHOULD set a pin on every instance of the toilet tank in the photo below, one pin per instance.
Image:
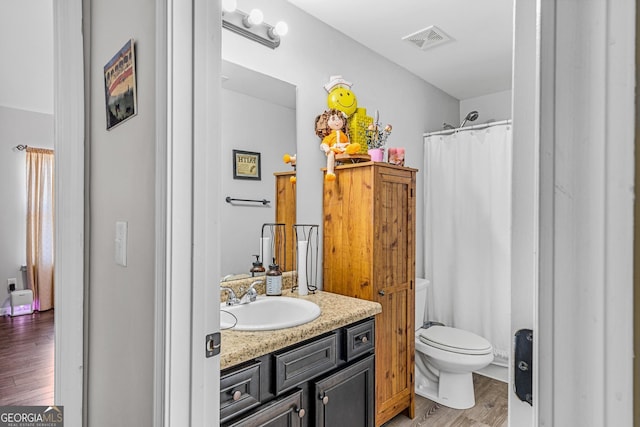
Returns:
(421, 300)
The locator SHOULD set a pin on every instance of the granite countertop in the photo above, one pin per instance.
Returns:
(336, 311)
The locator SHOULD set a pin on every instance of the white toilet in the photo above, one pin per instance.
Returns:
(445, 358)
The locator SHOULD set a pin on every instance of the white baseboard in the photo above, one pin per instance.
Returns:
(5, 311)
(500, 373)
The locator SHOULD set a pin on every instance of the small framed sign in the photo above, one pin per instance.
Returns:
(120, 86)
(246, 165)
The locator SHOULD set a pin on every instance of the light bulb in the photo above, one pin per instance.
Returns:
(229, 5)
(281, 28)
(255, 17)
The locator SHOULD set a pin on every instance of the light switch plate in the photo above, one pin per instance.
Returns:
(121, 243)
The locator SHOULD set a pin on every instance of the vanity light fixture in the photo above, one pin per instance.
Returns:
(252, 26)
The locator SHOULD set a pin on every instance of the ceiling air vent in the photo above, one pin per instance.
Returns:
(427, 37)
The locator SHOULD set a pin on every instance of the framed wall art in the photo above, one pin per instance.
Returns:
(120, 86)
(246, 165)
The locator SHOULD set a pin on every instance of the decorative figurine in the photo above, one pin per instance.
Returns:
(331, 127)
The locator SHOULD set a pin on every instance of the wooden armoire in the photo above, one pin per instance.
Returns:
(369, 253)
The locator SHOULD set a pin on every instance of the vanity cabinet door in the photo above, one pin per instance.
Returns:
(345, 399)
(284, 412)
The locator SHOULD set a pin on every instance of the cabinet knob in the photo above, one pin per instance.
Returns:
(365, 339)
(301, 412)
(236, 394)
(325, 400)
(381, 292)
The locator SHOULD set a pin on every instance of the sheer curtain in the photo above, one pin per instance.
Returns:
(40, 226)
(468, 231)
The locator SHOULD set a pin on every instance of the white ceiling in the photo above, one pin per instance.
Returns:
(26, 46)
(477, 61)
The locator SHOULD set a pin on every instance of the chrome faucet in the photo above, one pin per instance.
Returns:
(232, 299)
(251, 294)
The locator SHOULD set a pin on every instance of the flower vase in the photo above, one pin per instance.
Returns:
(377, 154)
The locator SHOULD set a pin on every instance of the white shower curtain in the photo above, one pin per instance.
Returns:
(468, 232)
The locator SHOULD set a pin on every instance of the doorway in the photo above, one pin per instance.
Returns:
(26, 118)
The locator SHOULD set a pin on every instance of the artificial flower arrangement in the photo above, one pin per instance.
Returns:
(376, 135)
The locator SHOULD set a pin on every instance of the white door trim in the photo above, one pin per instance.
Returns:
(179, 212)
(585, 310)
(188, 205)
(207, 197)
(161, 387)
(70, 258)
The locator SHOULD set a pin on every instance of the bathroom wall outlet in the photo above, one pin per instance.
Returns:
(11, 284)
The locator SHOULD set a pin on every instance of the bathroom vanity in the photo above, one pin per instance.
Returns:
(318, 374)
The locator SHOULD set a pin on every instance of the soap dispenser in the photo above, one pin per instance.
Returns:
(258, 268)
(274, 279)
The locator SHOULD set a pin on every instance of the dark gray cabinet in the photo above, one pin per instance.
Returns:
(345, 399)
(325, 381)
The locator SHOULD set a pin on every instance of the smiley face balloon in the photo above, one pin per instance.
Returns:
(340, 96)
(342, 99)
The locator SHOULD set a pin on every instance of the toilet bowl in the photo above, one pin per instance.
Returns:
(445, 359)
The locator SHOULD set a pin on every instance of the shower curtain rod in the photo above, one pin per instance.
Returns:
(481, 126)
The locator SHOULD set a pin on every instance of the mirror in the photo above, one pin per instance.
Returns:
(258, 116)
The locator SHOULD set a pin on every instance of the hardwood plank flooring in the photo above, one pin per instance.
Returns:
(490, 409)
(26, 359)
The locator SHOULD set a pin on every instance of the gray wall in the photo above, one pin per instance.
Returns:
(27, 128)
(490, 108)
(122, 188)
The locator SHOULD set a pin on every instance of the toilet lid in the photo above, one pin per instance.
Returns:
(455, 340)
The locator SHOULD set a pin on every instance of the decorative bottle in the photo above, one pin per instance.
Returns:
(274, 279)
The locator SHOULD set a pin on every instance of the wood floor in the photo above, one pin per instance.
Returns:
(490, 409)
(26, 359)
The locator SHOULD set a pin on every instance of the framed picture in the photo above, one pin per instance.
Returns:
(120, 86)
(246, 165)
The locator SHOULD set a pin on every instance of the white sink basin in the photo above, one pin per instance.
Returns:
(268, 313)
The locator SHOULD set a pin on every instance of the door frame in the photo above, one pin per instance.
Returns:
(70, 257)
(188, 189)
(182, 391)
(585, 127)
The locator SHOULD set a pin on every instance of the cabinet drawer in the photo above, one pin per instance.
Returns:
(305, 362)
(359, 339)
(239, 391)
(286, 411)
